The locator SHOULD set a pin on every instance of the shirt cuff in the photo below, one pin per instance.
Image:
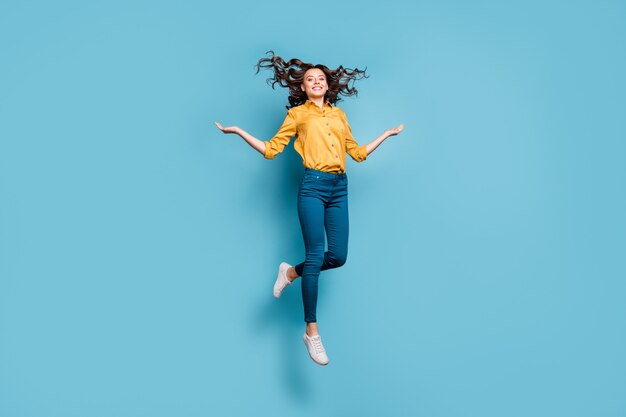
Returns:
(362, 153)
(268, 154)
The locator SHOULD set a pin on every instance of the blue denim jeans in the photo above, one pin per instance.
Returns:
(322, 210)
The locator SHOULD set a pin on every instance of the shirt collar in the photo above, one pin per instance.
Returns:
(310, 103)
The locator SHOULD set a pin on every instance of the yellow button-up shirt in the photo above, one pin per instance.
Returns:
(323, 137)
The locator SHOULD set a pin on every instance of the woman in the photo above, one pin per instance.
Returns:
(323, 139)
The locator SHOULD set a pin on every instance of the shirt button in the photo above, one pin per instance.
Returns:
(332, 144)
(329, 134)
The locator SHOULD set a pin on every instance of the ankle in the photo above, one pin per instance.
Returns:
(311, 329)
(292, 274)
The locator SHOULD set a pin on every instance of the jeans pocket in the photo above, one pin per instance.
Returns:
(310, 179)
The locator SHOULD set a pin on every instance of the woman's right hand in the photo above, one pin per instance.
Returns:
(252, 141)
(227, 129)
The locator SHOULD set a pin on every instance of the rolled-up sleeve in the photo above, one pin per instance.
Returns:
(277, 143)
(358, 153)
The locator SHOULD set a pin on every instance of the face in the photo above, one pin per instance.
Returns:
(314, 84)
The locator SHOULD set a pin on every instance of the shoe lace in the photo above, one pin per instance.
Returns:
(317, 344)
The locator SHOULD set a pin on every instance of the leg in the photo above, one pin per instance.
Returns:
(311, 215)
(336, 223)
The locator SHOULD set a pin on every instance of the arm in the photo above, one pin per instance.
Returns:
(270, 148)
(252, 141)
(360, 153)
(369, 148)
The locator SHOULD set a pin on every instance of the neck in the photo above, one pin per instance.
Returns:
(318, 100)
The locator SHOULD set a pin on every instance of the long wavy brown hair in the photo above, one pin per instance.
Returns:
(290, 74)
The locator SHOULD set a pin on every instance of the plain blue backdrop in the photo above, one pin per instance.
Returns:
(486, 273)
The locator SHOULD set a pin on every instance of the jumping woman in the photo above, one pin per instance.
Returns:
(323, 138)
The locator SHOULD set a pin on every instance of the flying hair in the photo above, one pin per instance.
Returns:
(290, 74)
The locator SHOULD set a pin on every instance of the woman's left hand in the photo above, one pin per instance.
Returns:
(395, 130)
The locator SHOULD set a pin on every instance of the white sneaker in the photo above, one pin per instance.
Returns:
(316, 349)
(281, 280)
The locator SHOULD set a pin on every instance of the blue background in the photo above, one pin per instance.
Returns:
(139, 245)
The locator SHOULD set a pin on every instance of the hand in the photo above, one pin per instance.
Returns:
(395, 130)
(227, 129)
